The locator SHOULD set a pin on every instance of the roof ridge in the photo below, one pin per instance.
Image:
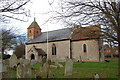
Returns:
(57, 30)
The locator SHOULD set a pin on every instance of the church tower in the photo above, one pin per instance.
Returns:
(33, 30)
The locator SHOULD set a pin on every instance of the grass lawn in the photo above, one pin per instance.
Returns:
(85, 70)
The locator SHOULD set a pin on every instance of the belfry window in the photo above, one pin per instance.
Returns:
(53, 49)
(30, 31)
(84, 48)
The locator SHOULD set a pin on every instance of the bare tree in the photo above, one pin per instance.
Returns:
(8, 39)
(92, 12)
(13, 8)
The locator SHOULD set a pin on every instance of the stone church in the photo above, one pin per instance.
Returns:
(79, 44)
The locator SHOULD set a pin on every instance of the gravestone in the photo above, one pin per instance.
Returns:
(6, 62)
(45, 71)
(44, 60)
(24, 71)
(13, 61)
(68, 67)
(20, 71)
(33, 62)
(24, 61)
(7, 74)
(28, 71)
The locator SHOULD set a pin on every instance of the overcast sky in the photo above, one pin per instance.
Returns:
(39, 8)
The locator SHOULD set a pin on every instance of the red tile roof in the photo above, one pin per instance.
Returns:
(88, 32)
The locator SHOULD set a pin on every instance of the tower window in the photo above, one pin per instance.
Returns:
(37, 31)
(53, 49)
(84, 48)
(30, 31)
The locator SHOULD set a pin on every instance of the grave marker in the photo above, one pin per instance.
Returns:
(24, 71)
(13, 61)
(68, 67)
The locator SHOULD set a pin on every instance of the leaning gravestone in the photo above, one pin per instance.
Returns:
(24, 71)
(68, 67)
(13, 61)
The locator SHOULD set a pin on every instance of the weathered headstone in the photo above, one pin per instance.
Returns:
(28, 71)
(20, 71)
(45, 71)
(33, 62)
(68, 67)
(13, 61)
(7, 74)
(24, 61)
(24, 71)
(44, 60)
(6, 62)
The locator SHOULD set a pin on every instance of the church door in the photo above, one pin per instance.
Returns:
(32, 56)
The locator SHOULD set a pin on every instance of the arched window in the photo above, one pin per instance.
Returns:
(84, 48)
(53, 49)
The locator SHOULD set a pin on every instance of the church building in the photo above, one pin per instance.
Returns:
(78, 43)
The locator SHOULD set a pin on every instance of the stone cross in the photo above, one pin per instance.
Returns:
(68, 67)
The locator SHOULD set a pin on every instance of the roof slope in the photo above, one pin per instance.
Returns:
(89, 32)
(34, 24)
(61, 34)
(40, 52)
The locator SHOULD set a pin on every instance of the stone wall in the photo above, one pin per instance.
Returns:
(92, 53)
(62, 50)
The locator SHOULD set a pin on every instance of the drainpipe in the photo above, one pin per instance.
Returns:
(70, 49)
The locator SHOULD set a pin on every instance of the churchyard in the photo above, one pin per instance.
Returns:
(22, 68)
